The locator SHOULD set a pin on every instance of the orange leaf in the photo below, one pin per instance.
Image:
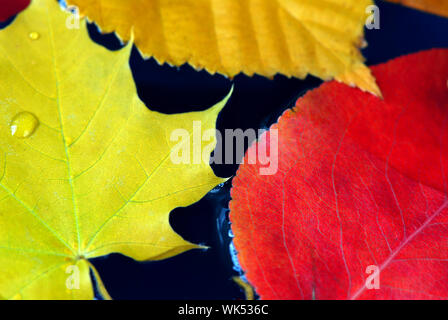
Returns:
(439, 7)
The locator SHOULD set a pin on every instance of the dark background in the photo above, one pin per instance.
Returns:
(256, 103)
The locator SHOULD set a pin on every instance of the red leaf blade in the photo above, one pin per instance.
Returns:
(9, 8)
(362, 182)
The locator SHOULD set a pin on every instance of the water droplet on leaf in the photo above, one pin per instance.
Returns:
(24, 124)
(34, 35)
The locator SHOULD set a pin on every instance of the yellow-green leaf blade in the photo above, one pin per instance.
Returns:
(95, 176)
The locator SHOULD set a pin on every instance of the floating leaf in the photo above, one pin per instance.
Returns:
(9, 8)
(292, 37)
(361, 191)
(90, 172)
(439, 7)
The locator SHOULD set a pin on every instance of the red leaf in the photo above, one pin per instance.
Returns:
(9, 8)
(361, 182)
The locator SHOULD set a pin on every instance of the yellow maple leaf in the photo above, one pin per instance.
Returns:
(439, 7)
(85, 167)
(292, 37)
